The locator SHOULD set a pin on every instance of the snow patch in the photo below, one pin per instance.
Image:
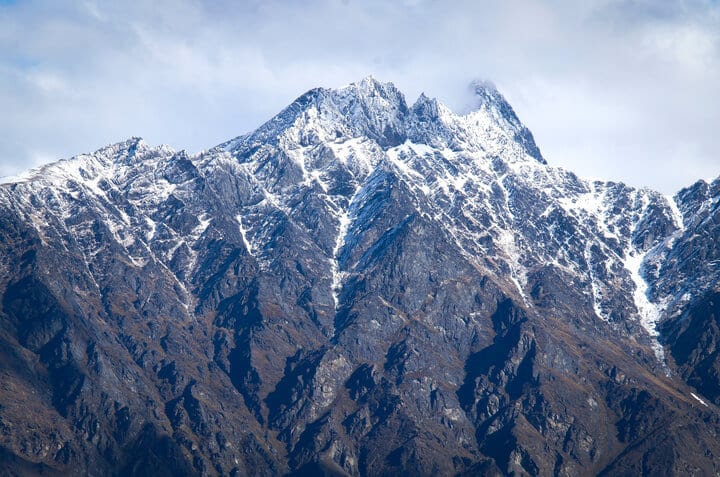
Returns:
(699, 400)
(676, 214)
(649, 313)
(357, 154)
(200, 229)
(518, 274)
(596, 291)
(152, 226)
(402, 165)
(337, 275)
(243, 234)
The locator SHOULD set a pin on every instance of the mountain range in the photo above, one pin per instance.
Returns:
(363, 287)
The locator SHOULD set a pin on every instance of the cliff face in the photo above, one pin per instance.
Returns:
(358, 287)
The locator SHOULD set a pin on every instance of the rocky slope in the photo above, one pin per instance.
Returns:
(358, 287)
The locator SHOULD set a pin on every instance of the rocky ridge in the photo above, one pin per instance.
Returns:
(362, 287)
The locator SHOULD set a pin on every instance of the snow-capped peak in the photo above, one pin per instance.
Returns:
(490, 102)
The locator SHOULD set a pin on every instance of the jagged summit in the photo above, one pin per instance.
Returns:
(369, 86)
(364, 108)
(379, 111)
(491, 101)
(84, 165)
(358, 287)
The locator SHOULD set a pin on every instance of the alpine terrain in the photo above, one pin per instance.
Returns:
(359, 287)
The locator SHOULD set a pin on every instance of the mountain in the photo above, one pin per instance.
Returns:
(358, 287)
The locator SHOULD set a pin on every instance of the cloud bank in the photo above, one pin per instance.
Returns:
(615, 89)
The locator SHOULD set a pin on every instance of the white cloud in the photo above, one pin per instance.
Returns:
(693, 49)
(626, 90)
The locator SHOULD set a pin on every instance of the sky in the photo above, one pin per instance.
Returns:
(612, 89)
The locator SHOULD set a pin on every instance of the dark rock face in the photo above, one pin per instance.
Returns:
(688, 270)
(359, 287)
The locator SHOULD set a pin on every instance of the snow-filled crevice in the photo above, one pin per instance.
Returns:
(649, 313)
(594, 286)
(343, 216)
(244, 235)
(337, 275)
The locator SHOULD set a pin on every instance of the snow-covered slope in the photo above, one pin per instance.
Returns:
(494, 194)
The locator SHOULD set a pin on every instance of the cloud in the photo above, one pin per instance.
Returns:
(623, 90)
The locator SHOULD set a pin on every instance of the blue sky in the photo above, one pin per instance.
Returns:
(615, 89)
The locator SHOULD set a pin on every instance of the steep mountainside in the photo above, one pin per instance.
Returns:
(361, 287)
